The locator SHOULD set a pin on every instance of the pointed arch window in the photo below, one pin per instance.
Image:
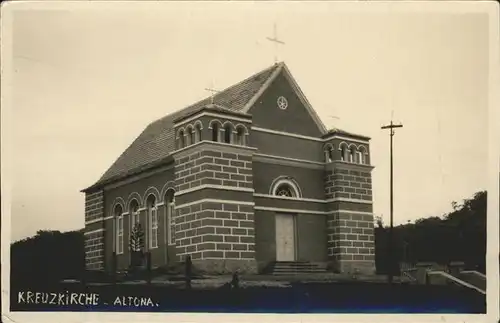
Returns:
(118, 215)
(153, 221)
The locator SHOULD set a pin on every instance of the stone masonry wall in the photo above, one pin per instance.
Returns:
(94, 250)
(215, 230)
(94, 240)
(344, 183)
(213, 168)
(351, 242)
(350, 237)
(222, 234)
(94, 206)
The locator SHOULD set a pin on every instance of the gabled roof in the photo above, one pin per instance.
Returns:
(153, 147)
(156, 142)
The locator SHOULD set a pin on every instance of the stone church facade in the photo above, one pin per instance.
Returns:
(241, 180)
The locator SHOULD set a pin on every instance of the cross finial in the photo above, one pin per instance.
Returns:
(212, 91)
(276, 42)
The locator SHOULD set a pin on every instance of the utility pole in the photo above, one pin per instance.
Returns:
(391, 128)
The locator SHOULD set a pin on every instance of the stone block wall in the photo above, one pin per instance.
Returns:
(350, 224)
(94, 239)
(94, 250)
(220, 234)
(210, 167)
(351, 242)
(345, 183)
(94, 205)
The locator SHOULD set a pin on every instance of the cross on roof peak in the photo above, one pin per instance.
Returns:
(212, 91)
(276, 42)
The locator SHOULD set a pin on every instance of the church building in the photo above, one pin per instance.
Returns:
(244, 179)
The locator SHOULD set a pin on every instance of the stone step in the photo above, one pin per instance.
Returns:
(300, 270)
(284, 273)
(297, 267)
(296, 263)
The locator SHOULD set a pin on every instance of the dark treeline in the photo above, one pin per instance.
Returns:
(460, 235)
(47, 257)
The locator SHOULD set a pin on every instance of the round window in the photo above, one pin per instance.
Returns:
(282, 103)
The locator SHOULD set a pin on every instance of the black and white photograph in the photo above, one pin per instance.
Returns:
(258, 158)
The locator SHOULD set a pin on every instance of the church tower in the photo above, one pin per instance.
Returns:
(348, 193)
(214, 222)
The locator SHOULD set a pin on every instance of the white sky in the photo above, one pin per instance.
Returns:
(87, 81)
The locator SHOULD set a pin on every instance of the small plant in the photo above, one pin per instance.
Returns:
(136, 245)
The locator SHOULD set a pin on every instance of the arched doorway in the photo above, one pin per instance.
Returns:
(286, 236)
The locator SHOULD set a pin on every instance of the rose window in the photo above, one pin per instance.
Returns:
(284, 190)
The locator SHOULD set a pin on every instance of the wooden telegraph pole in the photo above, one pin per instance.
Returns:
(391, 128)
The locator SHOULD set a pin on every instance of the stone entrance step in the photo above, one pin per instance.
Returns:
(296, 267)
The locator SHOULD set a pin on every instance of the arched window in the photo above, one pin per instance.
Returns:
(344, 153)
(215, 132)
(285, 186)
(328, 153)
(134, 213)
(228, 133)
(197, 132)
(153, 221)
(118, 214)
(352, 155)
(240, 136)
(359, 157)
(170, 219)
(363, 155)
(181, 139)
(190, 136)
(135, 234)
(285, 190)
